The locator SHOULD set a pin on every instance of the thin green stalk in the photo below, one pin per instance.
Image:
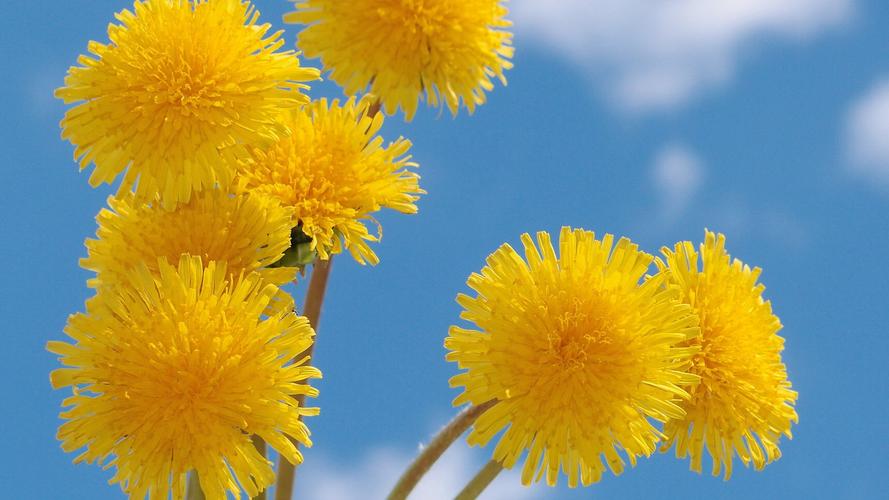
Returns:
(260, 447)
(477, 485)
(428, 456)
(314, 300)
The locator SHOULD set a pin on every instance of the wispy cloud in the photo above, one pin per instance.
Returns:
(656, 54)
(677, 174)
(744, 219)
(378, 470)
(867, 134)
(38, 88)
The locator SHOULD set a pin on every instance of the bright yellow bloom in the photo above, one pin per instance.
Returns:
(744, 401)
(177, 373)
(448, 49)
(247, 233)
(577, 354)
(175, 95)
(333, 172)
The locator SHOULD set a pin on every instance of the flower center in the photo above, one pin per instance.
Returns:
(579, 337)
(414, 15)
(187, 84)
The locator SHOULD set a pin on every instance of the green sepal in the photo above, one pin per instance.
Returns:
(300, 254)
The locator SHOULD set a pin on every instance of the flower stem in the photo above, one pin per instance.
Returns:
(477, 485)
(445, 437)
(193, 490)
(260, 447)
(312, 311)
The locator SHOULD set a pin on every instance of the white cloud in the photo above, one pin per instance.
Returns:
(677, 174)
(657, 54)
(867, 134)
(375, 474)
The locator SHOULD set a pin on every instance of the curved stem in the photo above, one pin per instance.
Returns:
(260, 447)
(445, 437)
(312, 311)
(477, 485)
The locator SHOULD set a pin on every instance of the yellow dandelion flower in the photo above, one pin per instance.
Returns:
(177, 373)
(744, 402)
(175, 95)
(333, 172)
(448, 49)
(247, 233)
(577, 354)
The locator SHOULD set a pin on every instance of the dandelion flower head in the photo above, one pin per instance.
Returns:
(247, 233)
(448, 50)
(176, 373)
(744, 402)
(176, 93)
(576, 353)
(333, 172)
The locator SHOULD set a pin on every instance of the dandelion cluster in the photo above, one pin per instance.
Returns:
(582, 351)
(189, 349)
(579, 356)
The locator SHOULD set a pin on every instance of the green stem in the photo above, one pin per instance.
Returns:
(477, 485)
(260, 447)
(428, 456)
(312, 311)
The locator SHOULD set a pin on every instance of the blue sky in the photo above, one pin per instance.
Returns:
(645, 119)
